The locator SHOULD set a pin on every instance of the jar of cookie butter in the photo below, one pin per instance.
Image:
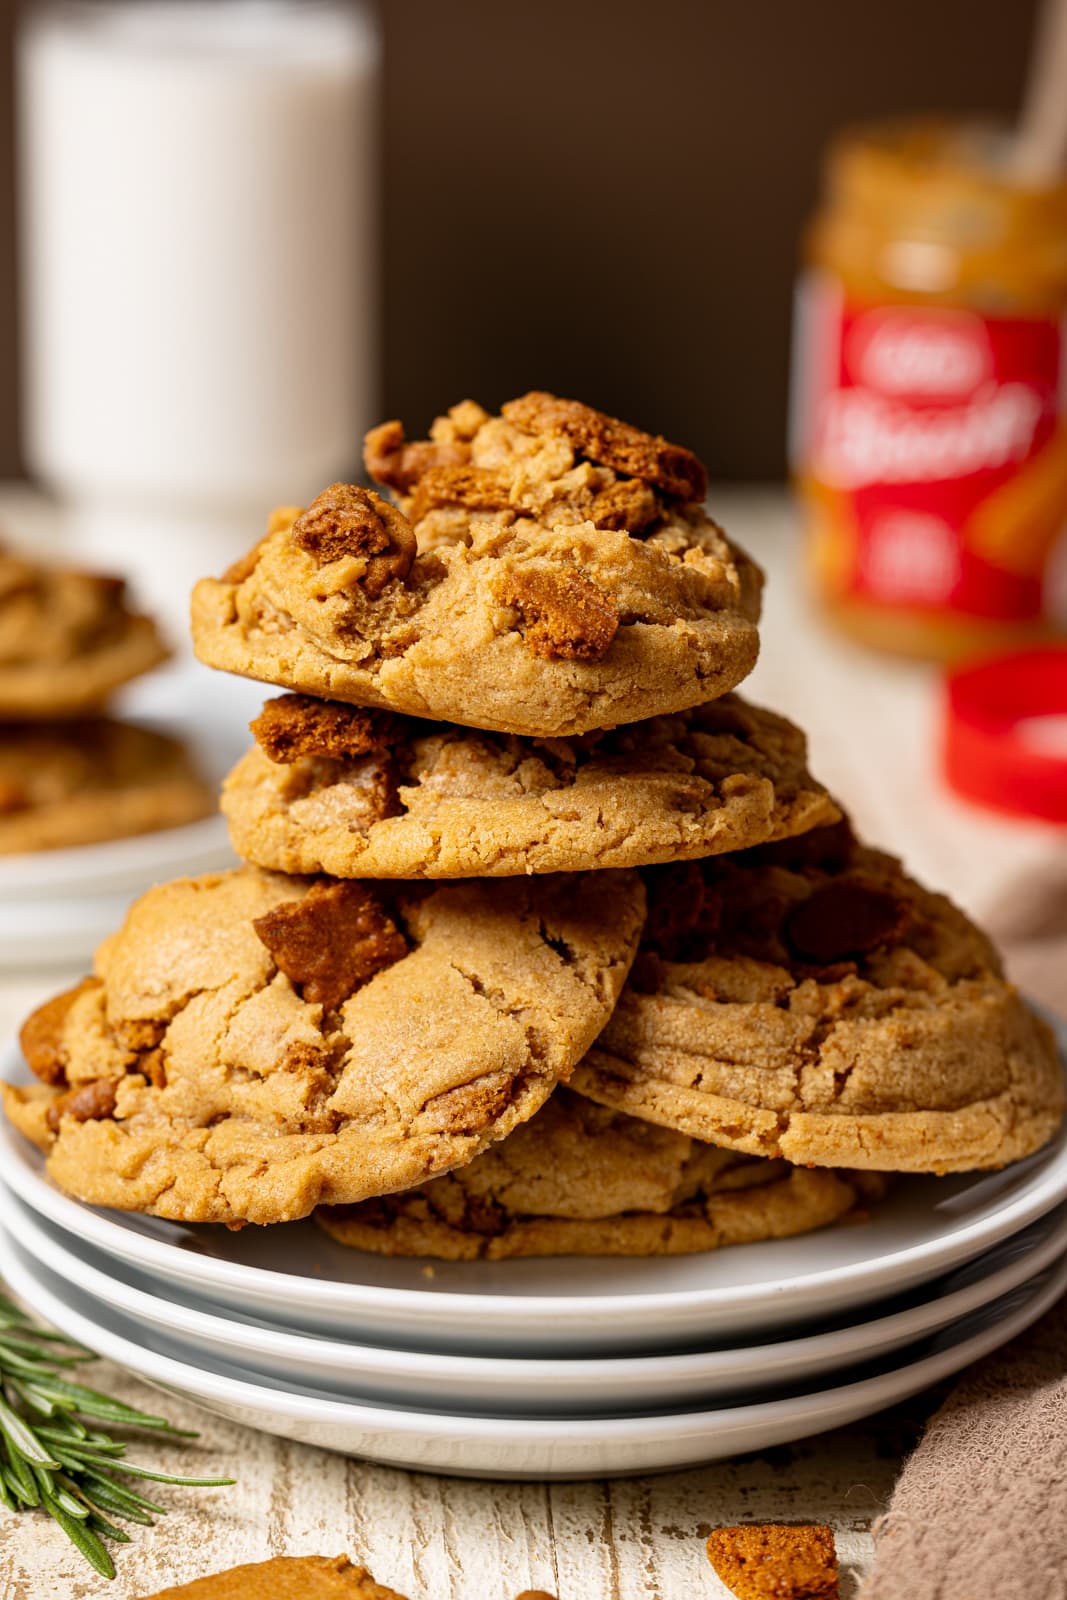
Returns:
(929, 438)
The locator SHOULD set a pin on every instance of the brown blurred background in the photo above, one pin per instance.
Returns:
(604, 198)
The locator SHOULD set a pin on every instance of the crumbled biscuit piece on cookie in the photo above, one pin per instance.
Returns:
(611, 443)
(345, 520)
(332, 942)
(628, 506)
(295, 725)
(773, 1561)
(398, 464)
(565, 613)
(473, 488)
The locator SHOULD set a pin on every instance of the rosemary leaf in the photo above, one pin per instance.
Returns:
(51, 1454)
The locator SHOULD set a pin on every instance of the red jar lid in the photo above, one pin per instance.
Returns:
(1005, 735)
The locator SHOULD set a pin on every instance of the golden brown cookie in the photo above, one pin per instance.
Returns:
(547, 572)
(284, 1578)
(68, 639)
(808, 1000)
(332, 788)
(254, 1045)
(581, 1180)
(776, 1561)
(73, 783)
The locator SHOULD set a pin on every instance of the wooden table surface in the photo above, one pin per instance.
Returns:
(872, 726)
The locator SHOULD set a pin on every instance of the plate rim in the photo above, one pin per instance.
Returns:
(878, 1388)
(448, 1366)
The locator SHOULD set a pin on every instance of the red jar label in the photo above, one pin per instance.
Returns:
(931, 444)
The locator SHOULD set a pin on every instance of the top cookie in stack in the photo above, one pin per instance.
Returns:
(546, 573)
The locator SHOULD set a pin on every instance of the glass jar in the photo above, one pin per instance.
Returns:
(928, 417)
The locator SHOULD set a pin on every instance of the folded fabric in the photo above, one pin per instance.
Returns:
(980, 1509)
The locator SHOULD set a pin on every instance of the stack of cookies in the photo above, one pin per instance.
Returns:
(69, 774)
(546, 942)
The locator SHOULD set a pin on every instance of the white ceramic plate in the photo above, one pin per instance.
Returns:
(536, 1387)
(500, 1446)
(295, 1275)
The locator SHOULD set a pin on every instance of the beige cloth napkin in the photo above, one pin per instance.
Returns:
(980, 1510)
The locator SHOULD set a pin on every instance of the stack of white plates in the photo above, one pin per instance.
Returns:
(57, 905)
(554, 1368)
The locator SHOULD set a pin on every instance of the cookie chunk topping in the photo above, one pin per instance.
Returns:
(295, 725)
(332, 942)
(610, 443)
(345, 520)
(398, 464)
(565, 613)
(775, 1561)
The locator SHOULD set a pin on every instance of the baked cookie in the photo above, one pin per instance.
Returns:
(252, 1045)
(67, 640)
(546, 573)
(72, 783)
(332, 788)
(808, 1000)
(579, 1180)
(284, 1578)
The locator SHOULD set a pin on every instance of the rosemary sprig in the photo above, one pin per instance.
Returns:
(53, 1459)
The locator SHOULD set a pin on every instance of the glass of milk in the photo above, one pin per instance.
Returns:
(198, 236)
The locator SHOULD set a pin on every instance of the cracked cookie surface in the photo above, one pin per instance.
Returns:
(254, 1045)
(521, 584)
(331, 788)
(808, 1000)
(68, 639)
(74, 783)
(579, 1179)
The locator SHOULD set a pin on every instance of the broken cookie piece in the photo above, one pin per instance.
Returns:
(776, 1561)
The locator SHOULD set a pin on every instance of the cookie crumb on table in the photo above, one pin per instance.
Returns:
(776, 1561)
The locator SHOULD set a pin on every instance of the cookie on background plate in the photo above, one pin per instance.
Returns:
(68, 640)
(808, 1000)
(83, 782)
(254, 1045)
(358, 793)
(546, 572)
(580, 1180)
